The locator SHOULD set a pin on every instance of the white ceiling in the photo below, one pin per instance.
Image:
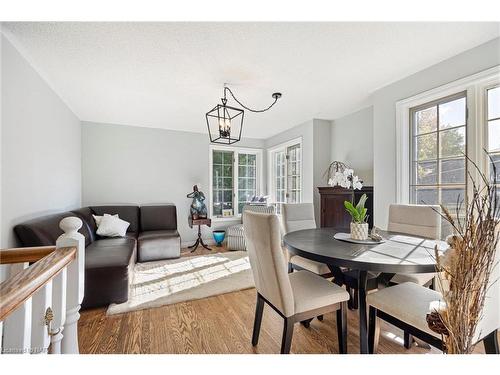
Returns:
(167, 75)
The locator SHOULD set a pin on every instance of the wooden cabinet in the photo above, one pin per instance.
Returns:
(333, 212)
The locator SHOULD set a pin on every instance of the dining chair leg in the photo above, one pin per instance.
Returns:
(408, 339)
(491, 343)
(351, 298)
(306, 323)
(363, 321)
(355, 299)
(286, 340)
(342, 328)
(373, 330)
(259, 311)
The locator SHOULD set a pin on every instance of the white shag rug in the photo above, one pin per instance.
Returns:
(172, 281)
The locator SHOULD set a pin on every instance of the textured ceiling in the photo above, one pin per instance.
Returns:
(167, 75)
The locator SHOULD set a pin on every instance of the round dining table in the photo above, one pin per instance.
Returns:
(398, 253)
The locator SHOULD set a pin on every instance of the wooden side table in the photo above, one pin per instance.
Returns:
(199, 240)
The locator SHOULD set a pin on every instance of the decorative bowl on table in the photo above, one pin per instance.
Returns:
(219, 237)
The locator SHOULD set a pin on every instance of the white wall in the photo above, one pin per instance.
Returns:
(40, 147)
(384, 114)
(128, 164)
(315, 136)
(352, 142)
(321, 160)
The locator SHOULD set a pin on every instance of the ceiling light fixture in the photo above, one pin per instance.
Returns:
(227, 121)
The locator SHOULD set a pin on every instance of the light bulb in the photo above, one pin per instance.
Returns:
(224, 127)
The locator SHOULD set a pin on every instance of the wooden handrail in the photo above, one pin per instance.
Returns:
(17, 289)
(24, 254)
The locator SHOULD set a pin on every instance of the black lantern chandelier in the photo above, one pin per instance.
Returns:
(225, 123)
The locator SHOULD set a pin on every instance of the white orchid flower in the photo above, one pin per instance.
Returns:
(348, 172)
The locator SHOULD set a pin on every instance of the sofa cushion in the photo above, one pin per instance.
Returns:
(158, 244)
(158, 217)
(110, 252)
(44, 231)
(112, 226)
(108, 268)
(127, 213)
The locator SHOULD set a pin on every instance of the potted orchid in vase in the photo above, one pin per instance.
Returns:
(339, 174)
(359, 224)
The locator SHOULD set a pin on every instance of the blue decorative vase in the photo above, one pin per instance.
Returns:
(219, 236)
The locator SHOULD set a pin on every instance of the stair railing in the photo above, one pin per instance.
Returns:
(40, 300)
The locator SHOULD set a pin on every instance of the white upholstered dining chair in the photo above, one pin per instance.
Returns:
(406, 306)
(299, 216)
(417, 220)
(294, 296)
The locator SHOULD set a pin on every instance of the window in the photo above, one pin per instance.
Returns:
(438, 146)
(434, 129)
(493, 130)
(247, 178)
(286, 174)
(234, 179)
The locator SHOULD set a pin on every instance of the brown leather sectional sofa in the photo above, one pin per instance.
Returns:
(152, 235)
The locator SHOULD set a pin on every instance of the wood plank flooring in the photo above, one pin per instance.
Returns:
(220, 324)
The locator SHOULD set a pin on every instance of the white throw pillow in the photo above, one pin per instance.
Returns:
(99, 218)
(112, 226)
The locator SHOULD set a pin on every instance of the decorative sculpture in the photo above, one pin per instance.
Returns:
(198, 207)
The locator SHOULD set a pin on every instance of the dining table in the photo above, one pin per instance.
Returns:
(397, 253)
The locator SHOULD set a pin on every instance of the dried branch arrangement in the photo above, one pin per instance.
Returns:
(465, 269)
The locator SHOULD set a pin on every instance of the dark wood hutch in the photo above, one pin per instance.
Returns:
(333, 212)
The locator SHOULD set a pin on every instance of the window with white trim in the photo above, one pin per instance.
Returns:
(437, 151)
(434, 129)
(493, 131)
(286, 174)
(235, 179)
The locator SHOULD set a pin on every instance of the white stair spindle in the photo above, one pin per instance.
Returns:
(75, 282)
(17, 326)
(59, 309)
(41, 301)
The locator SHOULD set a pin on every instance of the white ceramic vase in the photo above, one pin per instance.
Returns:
(359, 231)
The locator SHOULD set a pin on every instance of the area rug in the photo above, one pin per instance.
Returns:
(172, 281)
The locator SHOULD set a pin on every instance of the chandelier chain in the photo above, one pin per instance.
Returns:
(247, 108)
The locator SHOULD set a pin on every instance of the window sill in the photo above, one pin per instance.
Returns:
(226, 219)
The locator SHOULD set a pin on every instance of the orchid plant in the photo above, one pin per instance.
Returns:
(358, 212)
(346, 179)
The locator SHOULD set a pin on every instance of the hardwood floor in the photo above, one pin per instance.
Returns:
(220, 324)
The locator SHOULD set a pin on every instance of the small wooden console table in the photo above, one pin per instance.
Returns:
(199, 240)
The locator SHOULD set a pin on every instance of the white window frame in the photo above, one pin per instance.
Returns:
(259, 177)
(270, 167)
(475, 86)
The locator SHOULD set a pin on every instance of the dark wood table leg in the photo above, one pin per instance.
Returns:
(199, 241)
(363, 324)
(195, 245)
(204, 245)
(338, 275)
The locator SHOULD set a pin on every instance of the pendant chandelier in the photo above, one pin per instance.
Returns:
(225, 123)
